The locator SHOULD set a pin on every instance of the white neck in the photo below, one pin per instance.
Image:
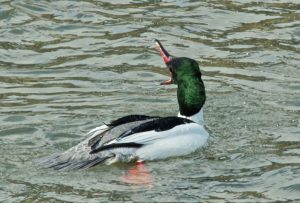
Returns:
(197, 117)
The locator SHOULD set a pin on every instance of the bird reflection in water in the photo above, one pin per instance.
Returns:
(138, 175)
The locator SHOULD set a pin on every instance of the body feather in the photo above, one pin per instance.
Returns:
(124, 140)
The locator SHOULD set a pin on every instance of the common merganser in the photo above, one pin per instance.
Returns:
(143, 138)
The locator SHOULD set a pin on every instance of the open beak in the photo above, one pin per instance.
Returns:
(166, 57)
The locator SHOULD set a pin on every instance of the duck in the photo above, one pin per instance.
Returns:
(139, 138)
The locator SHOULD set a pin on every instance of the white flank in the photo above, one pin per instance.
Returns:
(180, 140)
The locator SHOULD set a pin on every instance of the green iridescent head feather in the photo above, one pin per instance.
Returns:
(186, 74)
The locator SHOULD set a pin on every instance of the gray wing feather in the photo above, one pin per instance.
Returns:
(115, 132)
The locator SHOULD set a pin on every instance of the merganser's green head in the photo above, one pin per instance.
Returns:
(186, 74)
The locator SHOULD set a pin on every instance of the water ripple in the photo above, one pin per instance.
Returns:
(67, 66)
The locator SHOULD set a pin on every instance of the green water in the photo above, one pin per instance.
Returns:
(68, 66)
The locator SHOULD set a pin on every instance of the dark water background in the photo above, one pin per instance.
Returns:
(68, 66)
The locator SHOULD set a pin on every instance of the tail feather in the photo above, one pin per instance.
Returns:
(61, 163)
(77, 157)
(48, 161)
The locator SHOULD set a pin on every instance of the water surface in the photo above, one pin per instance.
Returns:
(68, 66)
